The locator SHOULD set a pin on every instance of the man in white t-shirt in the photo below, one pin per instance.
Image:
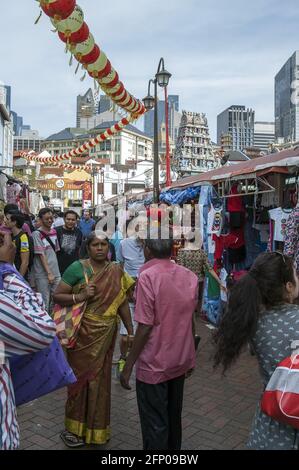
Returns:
(45, 269)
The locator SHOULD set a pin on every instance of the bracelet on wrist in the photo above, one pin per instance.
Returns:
(74, 299)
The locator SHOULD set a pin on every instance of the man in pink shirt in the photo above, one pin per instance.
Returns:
(163, 348)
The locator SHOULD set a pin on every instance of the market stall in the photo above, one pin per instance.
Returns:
(245, 207)
(15, 191)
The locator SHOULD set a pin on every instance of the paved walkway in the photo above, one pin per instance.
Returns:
(217, 411)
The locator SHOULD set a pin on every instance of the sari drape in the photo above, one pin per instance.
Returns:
(88, 403)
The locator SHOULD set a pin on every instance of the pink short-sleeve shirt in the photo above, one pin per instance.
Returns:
(166, 298)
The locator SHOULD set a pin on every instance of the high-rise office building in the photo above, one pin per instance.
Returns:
(91, 112)
(174, 101)
(149, 119)
(105, 104)
(174, 117)
(287, 100)
(237, 122)
(85, 106)
(264, 135)
(18, 124)
(6, 130)
(8, 96)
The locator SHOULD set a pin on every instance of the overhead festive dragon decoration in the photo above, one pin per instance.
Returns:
(68, 19)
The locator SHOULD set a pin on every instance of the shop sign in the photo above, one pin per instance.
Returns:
(60, 184)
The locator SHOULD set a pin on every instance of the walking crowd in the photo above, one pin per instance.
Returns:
(48, 264)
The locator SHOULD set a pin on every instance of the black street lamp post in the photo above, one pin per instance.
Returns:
(162, 79)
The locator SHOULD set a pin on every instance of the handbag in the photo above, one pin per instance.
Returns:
(280, 399)
(40, 373)
(68, 320)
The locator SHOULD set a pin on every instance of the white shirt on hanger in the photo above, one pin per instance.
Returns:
(280, 217)
(215, 221)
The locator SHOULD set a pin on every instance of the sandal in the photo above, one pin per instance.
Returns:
(71, 440)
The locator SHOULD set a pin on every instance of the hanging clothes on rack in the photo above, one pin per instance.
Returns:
(13, 190)
(280, 217)
(215, 220)
(235, 207)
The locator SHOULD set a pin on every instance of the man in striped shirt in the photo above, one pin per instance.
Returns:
(25, 327)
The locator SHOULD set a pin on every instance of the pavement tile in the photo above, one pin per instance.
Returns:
(217, 412)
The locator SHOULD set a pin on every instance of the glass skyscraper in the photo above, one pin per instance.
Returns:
(173, 105)
(287, 100)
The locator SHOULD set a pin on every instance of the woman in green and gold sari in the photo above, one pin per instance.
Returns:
(87, 418)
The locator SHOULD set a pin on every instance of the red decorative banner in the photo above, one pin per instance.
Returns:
(87, 191)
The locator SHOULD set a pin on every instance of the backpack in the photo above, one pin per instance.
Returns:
(17, 241)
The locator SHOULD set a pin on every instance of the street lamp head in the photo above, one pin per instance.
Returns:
(149, 102)
(163, 77)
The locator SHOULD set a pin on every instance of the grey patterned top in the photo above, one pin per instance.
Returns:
(277, 329)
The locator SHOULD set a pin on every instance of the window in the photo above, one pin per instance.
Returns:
(117, 145)
(140, 151)
(105, 146)
(114, 188)
(117, 158)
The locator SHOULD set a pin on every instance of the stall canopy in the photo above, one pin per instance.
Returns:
(144, 196)
(280, 162)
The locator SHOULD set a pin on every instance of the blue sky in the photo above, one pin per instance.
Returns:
(220, 52)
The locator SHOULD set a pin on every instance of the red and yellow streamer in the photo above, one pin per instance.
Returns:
(107, 134)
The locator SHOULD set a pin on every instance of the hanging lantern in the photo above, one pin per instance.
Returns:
(130, 101)
(71, 24)
(132, 105)
(141, 110)
(103, 73)
(135, 107)
(110, 80)
(119, 97)
(98, 66)
(79, 36)
(110, 91)
(58, 9)
(89, 58)
(125, 100)
(84, 47)
(119, 90)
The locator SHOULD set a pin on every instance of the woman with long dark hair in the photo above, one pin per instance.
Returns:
(261, 311)
(87, 419)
